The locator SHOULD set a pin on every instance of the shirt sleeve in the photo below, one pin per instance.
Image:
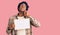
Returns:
(34, 22)
(9, 22)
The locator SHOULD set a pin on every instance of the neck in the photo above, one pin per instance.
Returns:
(20, 14)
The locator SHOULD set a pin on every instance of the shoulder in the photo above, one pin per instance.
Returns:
(31, 17)
(12, 17)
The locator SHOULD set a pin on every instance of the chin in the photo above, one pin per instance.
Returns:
(22, 10)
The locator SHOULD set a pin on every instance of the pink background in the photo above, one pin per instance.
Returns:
(47, 12)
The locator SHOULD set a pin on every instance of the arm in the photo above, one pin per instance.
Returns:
(34, 22)
(9, 29)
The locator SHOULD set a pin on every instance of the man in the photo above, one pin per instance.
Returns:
(22, 9)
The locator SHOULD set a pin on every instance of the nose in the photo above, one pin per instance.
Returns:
(22, 5)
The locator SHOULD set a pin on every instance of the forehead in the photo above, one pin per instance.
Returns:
(23, 4)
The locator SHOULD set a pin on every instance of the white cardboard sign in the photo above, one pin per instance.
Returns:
(22, 23)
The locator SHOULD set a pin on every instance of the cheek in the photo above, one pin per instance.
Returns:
(24, 8)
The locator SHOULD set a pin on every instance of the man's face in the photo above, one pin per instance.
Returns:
(22, 7)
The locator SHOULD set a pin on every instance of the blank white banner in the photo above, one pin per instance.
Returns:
(22, 23)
